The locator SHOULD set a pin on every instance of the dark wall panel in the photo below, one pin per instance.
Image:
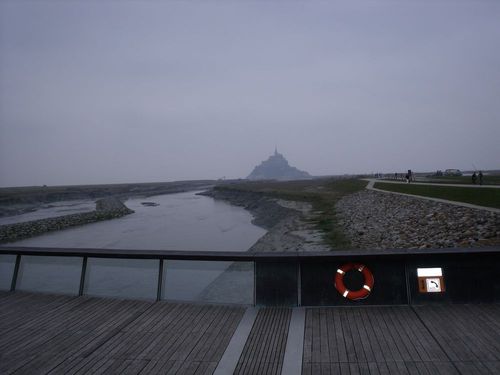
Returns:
(467, 279)
(276, 283)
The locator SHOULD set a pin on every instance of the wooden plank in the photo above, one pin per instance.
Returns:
(170, 339)
(375, 347)
(369, 355)
(339, 336)
(348, 339)
(356, 335)
(394, 334)
(412, 344)
(429, 349)
(59, 348)
(324, 350)
(210, 337)
(307, 356)
(447, 332)
(470, 322)
(332, 342)
(215, 352)
(265, 347)
(493, 366)
(389, 349)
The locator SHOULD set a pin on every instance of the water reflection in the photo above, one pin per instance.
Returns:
(7, 264)
(214, 282)
(50, 274)
(122, 278)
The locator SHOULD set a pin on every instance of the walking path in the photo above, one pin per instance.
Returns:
(48, 334)
(371, 183)
(435, 184)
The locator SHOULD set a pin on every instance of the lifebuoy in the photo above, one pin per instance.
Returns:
(356, 294)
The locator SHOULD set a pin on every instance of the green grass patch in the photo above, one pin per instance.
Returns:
(465, 180)
(488, 197)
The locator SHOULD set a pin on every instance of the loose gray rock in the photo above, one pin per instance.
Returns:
(375, 220)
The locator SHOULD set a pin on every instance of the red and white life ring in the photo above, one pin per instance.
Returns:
(354, 294)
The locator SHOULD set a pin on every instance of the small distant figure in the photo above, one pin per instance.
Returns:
(480, 177)
(409, 176)
(395, 176)
(474, 178)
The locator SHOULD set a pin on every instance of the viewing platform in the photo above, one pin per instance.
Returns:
(296, 321)
(49, 334)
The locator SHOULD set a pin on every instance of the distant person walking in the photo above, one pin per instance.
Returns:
(409, 176)
(480, 177)
(474, 178)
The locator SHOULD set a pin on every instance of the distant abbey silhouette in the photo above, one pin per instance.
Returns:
(276, 167)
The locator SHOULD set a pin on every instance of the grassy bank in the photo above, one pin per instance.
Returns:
(322, 194)
(465, 180)
(488, 197)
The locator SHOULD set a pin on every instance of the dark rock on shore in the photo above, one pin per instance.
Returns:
(287, 222)
(150, 204)
(106, 209)
(267, 213)
(19, 200)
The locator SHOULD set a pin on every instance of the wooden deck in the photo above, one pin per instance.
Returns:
(42, 334)
(452, 339)
(265, 348)
(48, 334)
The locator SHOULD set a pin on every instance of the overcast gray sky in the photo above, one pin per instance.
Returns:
(106, 92)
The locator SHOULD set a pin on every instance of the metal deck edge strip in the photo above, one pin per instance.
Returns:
(292, 362)
(229, 361)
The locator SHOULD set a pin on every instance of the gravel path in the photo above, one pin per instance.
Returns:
(372, 219)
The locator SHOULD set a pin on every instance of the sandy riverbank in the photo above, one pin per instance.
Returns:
(287, 222)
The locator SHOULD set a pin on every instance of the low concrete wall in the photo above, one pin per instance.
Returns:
(106, 209)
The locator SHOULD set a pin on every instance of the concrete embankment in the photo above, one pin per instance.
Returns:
(106, 209)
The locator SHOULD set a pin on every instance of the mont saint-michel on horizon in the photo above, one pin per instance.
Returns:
(276, 167)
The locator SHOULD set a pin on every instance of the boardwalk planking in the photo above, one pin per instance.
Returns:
(265, 348)
(440, 339)
(48, 334)
(79, 335)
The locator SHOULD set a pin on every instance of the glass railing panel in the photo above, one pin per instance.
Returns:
(7, 264)
(122, 278)
(208, 281)
(51, 274)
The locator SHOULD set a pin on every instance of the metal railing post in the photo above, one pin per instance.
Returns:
(299, 284)
(82, 276)
(160, 280)
(16, 271)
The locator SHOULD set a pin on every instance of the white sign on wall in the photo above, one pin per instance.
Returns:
(433, 284)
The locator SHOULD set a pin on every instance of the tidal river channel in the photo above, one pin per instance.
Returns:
(184, 221)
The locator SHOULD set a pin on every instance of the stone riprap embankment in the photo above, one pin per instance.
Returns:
(106, 208)
(375, 220)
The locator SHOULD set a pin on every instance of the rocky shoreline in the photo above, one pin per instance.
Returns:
(286, 221)
(376, 220)
(106, 209)
(16, 201)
